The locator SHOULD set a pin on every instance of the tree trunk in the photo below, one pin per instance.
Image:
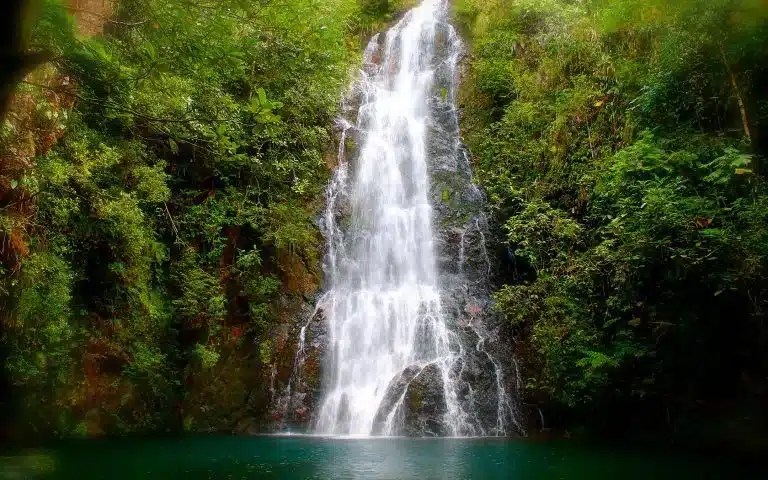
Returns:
(739, 98)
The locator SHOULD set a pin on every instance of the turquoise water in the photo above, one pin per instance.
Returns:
(322, 458)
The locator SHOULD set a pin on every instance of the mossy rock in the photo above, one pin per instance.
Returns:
(424, 404)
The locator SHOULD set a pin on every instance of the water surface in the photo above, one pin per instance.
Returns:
(299, 457)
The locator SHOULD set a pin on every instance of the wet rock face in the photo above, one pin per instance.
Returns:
(424, 407)
(392, 399)
(486, 374)
(295, 372)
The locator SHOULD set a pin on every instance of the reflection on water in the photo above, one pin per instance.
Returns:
(301, 457)
(27, 464)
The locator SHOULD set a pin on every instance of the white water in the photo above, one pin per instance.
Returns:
(382, 301)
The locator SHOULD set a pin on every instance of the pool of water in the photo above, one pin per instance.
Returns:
(300, 457)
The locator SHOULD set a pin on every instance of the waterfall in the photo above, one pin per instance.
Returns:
(404, 356)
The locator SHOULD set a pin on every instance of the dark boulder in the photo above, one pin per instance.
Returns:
(395, 391)
(424, 407)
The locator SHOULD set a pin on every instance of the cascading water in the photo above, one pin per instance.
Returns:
(406, 351)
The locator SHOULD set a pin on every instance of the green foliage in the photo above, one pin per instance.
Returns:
(206, 356)
(375, 15)
(201, 297)
(41, 333)
(290, 228)
(540, 233)
(619, 144)
(192, 160)
(265, 351)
